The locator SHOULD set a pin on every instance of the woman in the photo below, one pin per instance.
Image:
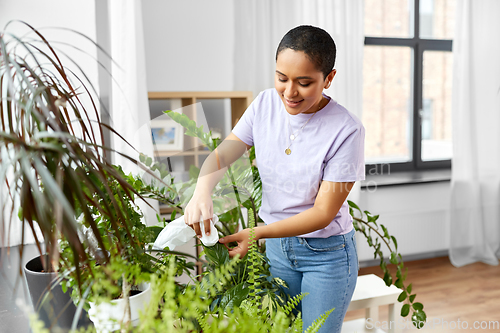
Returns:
(309, 151)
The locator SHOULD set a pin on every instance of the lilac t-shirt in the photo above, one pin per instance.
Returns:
(330, 147)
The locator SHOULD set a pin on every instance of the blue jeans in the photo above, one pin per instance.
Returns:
(325, 268)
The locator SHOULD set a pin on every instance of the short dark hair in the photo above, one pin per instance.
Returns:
(315, 42)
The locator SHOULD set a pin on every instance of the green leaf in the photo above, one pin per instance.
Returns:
(234, 296)
(418, 306)
(149, 161)
(386, 233)
(387, 279)
(316, 325)
(193, 172)
(399, 284)
(412, 298)
(353, 205)
(142, 158)
(217, 254)
(408, 289)
(163, 174)
(394, 258)
(398, 273)
(152, 233)
(402, 296)
(405, 310)
(418, 318)
(395, 242)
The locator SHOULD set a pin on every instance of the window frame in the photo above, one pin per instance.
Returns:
(419, 46)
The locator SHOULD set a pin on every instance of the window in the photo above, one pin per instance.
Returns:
(407, 77)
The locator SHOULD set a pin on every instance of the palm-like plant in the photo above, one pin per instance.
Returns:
(53, 158)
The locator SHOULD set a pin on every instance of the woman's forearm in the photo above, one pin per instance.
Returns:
(210, 175)
(308, 221)
(329, 200)
(217, 163)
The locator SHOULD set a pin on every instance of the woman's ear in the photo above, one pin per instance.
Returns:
(329, 78)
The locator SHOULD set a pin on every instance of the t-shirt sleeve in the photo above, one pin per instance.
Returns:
(244, 128)
(346, 159)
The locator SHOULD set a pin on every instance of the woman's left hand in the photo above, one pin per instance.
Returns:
(242, 238)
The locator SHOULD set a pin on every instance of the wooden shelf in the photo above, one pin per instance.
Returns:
(200, 94)
(164, 210)
(165, 153)
(240, 100)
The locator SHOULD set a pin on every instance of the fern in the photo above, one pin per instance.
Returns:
(202, 321)
(249, 308)
(253, 258)
(215, 280)
(280, 323)
(293, 303)
(297, 323)
(316, 325)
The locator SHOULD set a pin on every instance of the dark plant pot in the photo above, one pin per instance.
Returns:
(57, 309)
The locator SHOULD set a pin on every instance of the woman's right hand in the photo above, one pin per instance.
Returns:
(200, 207)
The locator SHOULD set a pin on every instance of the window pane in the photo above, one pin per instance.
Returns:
(389, 18)
(387, 103)
(437, 19)
(436, 112)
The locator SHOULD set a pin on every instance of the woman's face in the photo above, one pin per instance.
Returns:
(298, 82)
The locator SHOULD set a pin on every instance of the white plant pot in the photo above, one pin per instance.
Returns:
(108, 316)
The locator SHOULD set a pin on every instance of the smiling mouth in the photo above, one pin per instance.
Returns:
(292, 103)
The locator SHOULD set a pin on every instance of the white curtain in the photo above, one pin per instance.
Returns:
(260, 25)
(475, 186)
(129, 105)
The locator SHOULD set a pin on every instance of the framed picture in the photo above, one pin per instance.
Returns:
(167, 135)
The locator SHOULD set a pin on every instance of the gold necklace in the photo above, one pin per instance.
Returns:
(294, 136)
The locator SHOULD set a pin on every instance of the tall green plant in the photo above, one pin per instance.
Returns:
(54, 161)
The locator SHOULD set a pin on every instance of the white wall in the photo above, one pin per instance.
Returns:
(189, 45)
(417, 215)
(72, 14)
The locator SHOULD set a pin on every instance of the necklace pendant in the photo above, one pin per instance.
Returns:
(288, 151)
(292, 137)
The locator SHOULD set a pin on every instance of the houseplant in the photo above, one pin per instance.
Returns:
(126, 273)
(54, 161)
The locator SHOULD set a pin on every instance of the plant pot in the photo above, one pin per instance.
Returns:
(54, 307)
(107, 316)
